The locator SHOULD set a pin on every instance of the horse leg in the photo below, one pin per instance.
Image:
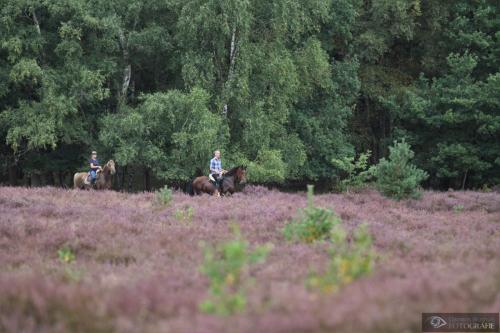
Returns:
(195, 187)
(209, 188)
(216, 192)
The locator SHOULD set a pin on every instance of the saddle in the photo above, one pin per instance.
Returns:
(87, 180)
(215, 181)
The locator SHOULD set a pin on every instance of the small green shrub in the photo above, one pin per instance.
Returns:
(458, 208)
(70, 273)
(66, 255)
(185, 215)
(356, 172)
(164, 196)
(396, 177)
(313, 223)
(226, 265)
(485, 188)
(348, 261)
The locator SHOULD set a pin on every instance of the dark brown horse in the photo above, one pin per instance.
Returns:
(229, 182)
(104, 179)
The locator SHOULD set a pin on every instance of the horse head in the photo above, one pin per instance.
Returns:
(241, 174)
(111, 167)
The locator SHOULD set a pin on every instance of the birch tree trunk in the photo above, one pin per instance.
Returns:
(232, 61)
(232, 55)
(37, 24)
(127, 69)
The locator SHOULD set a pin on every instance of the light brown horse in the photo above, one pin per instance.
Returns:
(229, 182)
(104, 179)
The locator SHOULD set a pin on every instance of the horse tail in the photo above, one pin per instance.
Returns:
(189, 188)
(75, 181)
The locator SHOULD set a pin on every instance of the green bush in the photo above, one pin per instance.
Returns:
(185, 215)
(66, 255)
(267, 167)
(164, 196)
(313, 223)
(70, 272)
(348, 260)
(226, 265)
(458, 208)
(356, 172)
(396, 177)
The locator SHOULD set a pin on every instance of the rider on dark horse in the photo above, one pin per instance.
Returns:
(216, 170)
(94, 167)
(219, 182)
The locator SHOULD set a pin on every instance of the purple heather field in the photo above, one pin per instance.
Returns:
(137, 265)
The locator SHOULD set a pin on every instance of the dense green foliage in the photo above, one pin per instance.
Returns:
(397, 177)
(454, 123)
(355, 173)
(285, 87)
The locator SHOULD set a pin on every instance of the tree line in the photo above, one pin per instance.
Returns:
(286, 87)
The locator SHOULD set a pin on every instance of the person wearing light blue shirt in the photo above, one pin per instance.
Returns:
(216, 170)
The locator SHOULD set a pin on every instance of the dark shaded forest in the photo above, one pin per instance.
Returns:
(285, 87)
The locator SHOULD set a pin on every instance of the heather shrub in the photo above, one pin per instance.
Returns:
(226, 265)
(73, 274)
(116, 257)
(312, 224)
(133, 276)
(164, 196)
(397, 177)
(356, 173)
(348, 260)
(49, 306)
(184, 215)
(256, 190)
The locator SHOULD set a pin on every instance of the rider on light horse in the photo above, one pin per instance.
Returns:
(94, 167)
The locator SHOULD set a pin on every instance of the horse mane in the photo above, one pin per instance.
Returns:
(105, 167)
(232, 171)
